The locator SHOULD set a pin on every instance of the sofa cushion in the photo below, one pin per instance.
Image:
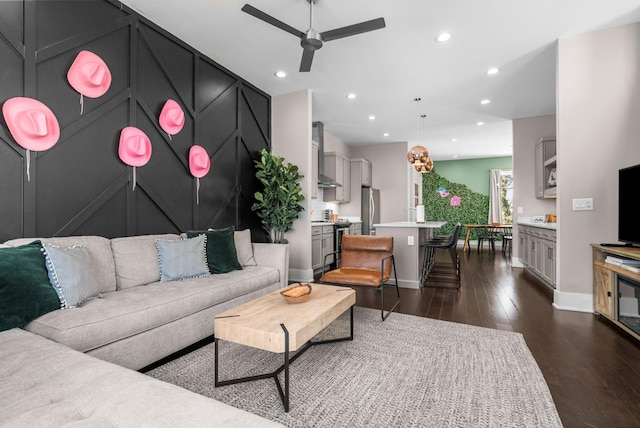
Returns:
(136, 259)
(124, 313)
(100, 255)
(244, 248)
(221, 249)
(47, 384)
(71, 274)
(182, 258)
(25, 292)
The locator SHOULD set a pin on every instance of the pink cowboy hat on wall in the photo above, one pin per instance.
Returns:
(31, 123)
(199, 166)
(135, 146)
(199, 161)
(171, 117)
(89, 75)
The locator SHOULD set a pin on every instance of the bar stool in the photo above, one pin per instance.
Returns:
(429, 266)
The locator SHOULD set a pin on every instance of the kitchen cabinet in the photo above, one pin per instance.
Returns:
(537, 248)
(355, 228)
(545, 167)
(321, 245)
(316, 247)
(337, 168)
(362, 169)
(314, 170)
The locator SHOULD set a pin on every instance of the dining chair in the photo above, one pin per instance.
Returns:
(488, 234)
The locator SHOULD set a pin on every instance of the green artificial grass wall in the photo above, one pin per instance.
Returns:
(440, 197)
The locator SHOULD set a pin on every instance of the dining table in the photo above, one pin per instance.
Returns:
(500, 228)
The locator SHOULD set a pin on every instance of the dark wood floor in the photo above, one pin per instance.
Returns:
(591, 367)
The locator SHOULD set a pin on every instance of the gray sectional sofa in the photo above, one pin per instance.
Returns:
(136, 320)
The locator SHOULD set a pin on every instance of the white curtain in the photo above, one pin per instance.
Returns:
(495, 201)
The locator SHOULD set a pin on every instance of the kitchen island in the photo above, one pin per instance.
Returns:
(408, 252)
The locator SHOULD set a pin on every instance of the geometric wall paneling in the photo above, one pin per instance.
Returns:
(12, 175)
(12, 23)
(65, 19)
(80, 186)
(175, 60)
(212, 83)
(109, 219)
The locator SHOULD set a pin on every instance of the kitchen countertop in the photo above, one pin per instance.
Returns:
(425, 225)
(322, 223)
(551, 226)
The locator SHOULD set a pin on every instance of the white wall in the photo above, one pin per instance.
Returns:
(291, 139)
(598, 109)
(526, 134)
(389, 174)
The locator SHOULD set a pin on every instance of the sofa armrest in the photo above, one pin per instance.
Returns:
(274, 255)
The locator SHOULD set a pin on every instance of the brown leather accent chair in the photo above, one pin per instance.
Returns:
(365, 261)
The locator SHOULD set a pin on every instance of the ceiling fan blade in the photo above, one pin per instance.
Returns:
(352, 30)
(271, 20)
(307, 59)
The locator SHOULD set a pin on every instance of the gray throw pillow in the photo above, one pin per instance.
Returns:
(182, 258)
(70, 274)
(244, 248)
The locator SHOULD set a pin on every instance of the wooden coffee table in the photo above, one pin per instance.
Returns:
(272, 324)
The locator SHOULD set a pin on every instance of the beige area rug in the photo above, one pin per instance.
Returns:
(405, 372)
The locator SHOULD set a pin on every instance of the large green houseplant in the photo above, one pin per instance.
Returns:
(278, 204)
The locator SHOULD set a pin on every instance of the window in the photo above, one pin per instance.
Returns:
(506, 195)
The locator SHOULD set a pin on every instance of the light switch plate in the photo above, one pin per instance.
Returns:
(410, 240)
(583, 204)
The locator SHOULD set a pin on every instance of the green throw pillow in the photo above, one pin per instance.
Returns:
(221, 249)
(25, 290)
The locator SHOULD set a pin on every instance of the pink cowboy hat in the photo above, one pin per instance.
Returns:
(199, 162)
(89, 75)
(171, 117)
(135, 146)
(31, 123)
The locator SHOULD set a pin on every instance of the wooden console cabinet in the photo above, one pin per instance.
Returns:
(606, 278)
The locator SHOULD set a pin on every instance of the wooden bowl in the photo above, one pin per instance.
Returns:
(297, 294)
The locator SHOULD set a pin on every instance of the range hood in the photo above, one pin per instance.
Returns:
(318, 136)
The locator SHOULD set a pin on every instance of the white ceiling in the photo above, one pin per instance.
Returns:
(390, 67)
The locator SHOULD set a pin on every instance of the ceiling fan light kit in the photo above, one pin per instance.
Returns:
(312, 40)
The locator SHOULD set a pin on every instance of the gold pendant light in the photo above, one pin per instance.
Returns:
(418, 156)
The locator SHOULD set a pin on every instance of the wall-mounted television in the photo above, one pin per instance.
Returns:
(629, 205)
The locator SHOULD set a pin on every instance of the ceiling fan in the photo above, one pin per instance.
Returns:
(312, 40)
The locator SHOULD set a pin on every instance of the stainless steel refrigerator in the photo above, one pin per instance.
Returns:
(370, 213)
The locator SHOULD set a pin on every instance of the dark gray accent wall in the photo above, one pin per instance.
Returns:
(80, 186)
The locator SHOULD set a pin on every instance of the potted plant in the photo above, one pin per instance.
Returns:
(278, 204)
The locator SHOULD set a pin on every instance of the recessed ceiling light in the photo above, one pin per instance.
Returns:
(280, 74)
(493, 70)
(386, 134)
(372, 117)
(453, 140)
(455, 156)
(351, 96)
(480, 123)
(485, 101)
(444, 37)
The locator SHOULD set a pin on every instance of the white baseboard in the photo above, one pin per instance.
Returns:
(301, 275)
(516, 263)
(577, 302)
